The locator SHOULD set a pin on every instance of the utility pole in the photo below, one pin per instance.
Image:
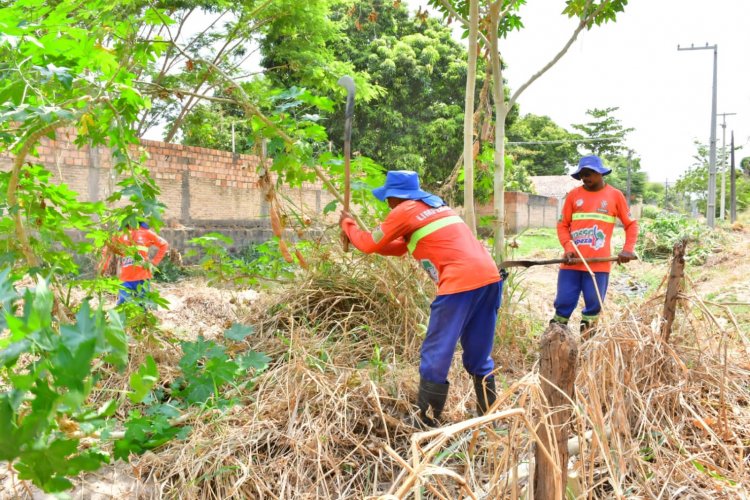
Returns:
(666, 194)
(732, 190)
(723, 162)
(711, 208)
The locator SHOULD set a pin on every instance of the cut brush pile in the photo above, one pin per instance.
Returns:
(650, 420)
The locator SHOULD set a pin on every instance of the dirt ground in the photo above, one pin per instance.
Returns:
(198, 310)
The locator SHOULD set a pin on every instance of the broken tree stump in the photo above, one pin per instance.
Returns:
(674, 285)
(557, 367)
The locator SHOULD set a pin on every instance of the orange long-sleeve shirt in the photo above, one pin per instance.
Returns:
(438, 238)
(143, 239)
(588, 219)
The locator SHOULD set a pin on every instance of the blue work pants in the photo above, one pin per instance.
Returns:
(466, 316)
(570, 285)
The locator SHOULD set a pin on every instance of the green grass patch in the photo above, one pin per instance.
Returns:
(533, 241)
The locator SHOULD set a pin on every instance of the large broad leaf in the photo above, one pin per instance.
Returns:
(10, 354)
(10, 442)
(238, 332)
(255, 360)
(143, 380)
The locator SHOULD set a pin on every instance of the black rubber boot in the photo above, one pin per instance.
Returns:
(431, 401)
(486, 394)
(587, 330)
(559, 321)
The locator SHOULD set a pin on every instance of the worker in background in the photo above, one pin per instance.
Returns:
(585, 230)
(135, 271)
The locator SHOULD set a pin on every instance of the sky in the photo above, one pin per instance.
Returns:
(634, 64)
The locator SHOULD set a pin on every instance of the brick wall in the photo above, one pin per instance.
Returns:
(524, 211)
(203, 189)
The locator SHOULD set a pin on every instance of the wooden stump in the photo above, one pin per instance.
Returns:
(558, 362)
(676, 275)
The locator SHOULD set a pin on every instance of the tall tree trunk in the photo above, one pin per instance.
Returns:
(501, 112)
(471, 76)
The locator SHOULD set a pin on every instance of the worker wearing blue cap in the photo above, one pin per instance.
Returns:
(585, 231)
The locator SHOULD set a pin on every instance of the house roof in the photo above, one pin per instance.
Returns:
(554, 185)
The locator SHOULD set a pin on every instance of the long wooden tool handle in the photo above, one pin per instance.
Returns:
(348, 84)
(529, 263)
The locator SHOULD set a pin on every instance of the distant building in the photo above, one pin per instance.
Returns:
(556, 186)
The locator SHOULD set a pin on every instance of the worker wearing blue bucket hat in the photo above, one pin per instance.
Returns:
(585, 231)
(593, 163)
(469, 286)
(404, 184)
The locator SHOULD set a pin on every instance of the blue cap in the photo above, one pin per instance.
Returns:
(591, 162)
(405, 184)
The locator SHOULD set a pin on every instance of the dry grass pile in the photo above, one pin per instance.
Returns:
(315, 425)
(360, 302)
(650, 419)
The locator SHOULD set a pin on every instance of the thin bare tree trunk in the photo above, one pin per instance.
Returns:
(501, 112)
(471, 76)
(676, 275)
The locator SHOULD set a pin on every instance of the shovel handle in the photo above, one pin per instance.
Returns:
(348, 83)
(529, 263)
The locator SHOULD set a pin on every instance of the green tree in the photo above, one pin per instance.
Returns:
(63, 65)
(415, 119)
(653, 193)
(545, 148)
(693, 183)
(604, 134)
(231, 34)
(619, 176)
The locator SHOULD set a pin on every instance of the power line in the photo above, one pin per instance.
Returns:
(565, 141)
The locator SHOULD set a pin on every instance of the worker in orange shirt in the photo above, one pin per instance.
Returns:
(469, 287)
(135, 272)
(586, 225)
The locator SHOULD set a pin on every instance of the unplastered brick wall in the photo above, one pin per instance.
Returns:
(200, 187)
(524, 211)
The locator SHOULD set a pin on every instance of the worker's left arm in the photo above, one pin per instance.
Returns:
(631, 231)
(161, 245)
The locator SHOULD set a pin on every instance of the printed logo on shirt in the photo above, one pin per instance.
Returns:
(589, 236)
(603, 208)
(579, 202)
(377, 234)
(432, 271)
(422, 216)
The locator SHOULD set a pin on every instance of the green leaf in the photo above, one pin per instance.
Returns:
(330, 207)
(238, 332)
(256, 360)
(9, 355)
(157, 16)
(143, 380)
(10, 439)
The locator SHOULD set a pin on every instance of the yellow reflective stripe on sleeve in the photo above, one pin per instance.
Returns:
(431, 228)
(594, 216)
(142, 248)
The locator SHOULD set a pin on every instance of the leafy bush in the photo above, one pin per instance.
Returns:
(658, 237)
(253, 265)
(650, 212)
(46, 370)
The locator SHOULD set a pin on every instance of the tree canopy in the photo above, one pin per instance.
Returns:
(541, 146)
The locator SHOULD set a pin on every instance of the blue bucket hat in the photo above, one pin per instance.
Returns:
(405, 184)
(591, 162)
